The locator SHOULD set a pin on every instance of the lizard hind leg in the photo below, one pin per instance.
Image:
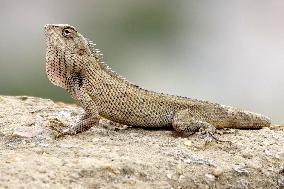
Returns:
(186, 124)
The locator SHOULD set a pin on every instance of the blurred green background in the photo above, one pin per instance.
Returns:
(231, 52)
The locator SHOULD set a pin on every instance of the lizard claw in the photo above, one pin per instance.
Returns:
(59, 127)
(208, 136)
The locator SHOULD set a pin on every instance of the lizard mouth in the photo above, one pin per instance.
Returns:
(47, 30)
(48, 34)
(51, 37)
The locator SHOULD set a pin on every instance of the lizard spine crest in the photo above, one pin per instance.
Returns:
(99, 58)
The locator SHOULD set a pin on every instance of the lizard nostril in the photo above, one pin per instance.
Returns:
(46, 26)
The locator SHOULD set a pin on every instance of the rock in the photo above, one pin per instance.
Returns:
(105, 157)
(27, 132)
(217, 172)
(241, 169)
(210, 177)
(187, 143)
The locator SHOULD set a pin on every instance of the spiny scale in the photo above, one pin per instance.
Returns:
(99, 59)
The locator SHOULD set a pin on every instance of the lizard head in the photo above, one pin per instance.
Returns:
(67, 51)
(66, 40)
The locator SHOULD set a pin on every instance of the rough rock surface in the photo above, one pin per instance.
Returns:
(114, 156)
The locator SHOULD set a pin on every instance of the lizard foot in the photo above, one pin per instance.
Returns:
(85, 123)
(208, 135)
(59, 127)
(186, 124)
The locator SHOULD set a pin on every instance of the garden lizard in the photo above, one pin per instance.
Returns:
(74, 63)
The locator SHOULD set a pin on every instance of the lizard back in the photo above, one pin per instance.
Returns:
(126, 103)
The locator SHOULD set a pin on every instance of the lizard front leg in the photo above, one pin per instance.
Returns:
(91, 115)
(186, 123)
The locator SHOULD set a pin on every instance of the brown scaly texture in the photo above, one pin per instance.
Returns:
(74, 64)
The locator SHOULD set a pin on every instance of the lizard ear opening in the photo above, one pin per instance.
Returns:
(66, 32)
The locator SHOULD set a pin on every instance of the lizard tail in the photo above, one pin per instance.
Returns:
(249, 120)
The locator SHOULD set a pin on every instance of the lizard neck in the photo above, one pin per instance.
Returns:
(117, 78)
(103, 67)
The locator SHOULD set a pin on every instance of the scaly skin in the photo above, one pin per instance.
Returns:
(74, 64)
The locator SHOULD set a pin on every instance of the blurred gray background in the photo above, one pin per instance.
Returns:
(231, 52)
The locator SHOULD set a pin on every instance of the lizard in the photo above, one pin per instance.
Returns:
(76, 65)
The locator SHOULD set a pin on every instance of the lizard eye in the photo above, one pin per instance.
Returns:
(66, 32)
